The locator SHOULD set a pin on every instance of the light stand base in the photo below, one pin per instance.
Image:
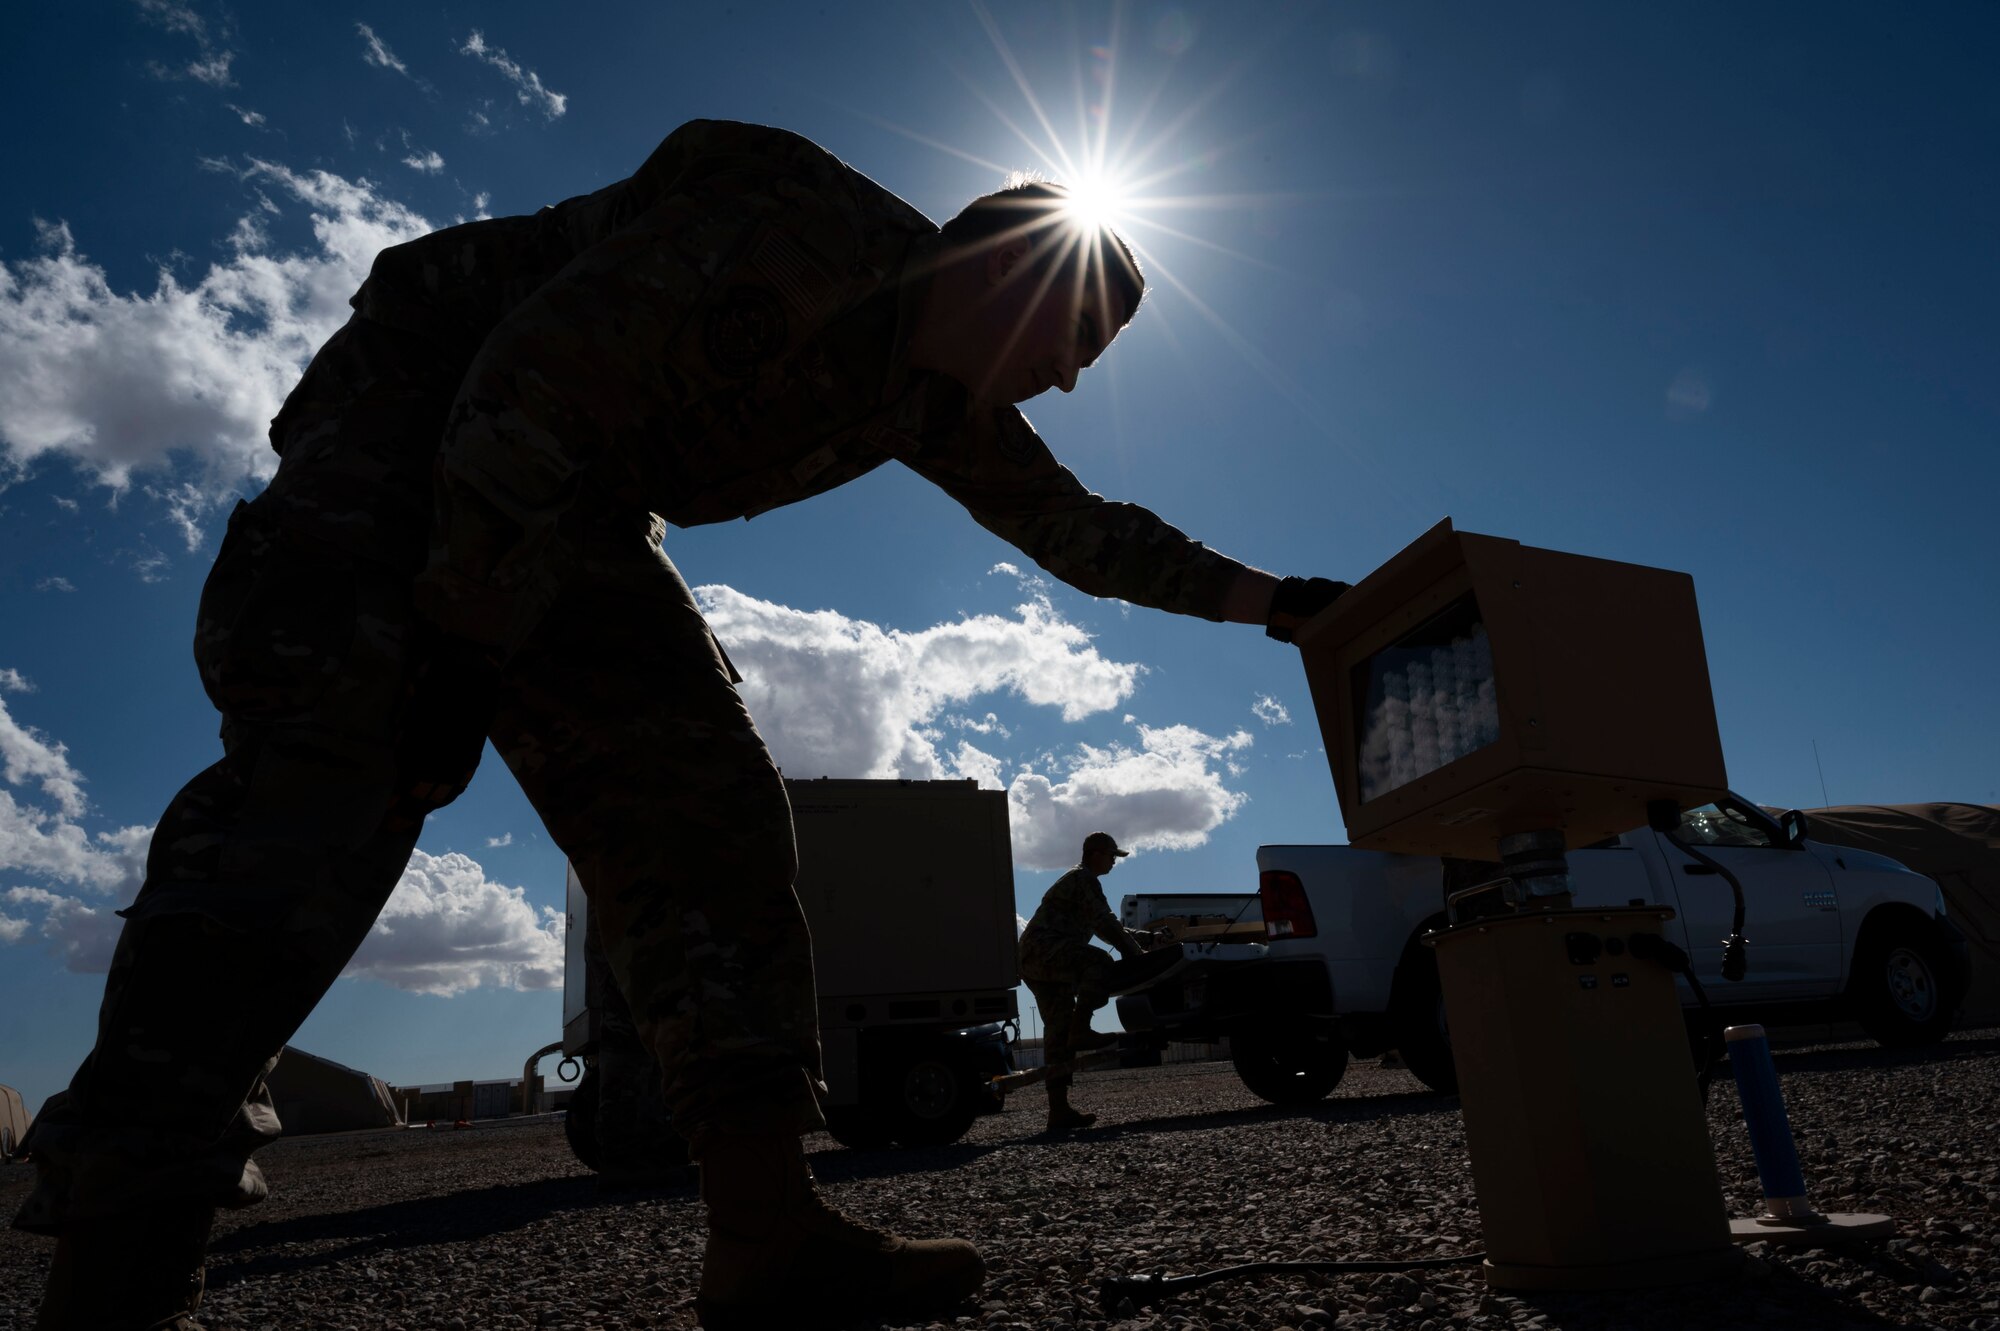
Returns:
(1679, 1269)
(1823, 1232)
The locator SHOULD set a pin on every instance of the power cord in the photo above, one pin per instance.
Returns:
(1145, 1290)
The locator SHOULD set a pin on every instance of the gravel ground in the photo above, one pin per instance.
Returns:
(496, 1226)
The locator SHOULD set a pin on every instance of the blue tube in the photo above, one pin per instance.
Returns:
(1764, 1114)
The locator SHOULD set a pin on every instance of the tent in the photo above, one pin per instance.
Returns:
(1956, 844)
(314, 1094)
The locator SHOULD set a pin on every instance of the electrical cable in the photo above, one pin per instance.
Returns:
(1734, 964)
(1145, 1290)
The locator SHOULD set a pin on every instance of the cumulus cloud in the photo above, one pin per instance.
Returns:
(254, 119)
(528, 89)
(378, 52)
(430, 163)
(121, 381)
(504, 839)
(28, 757)
(13, 681)
(1270, 711)
(1163, 794)
(841, 696)
(836, 696)
(55, 582)
(447, 928)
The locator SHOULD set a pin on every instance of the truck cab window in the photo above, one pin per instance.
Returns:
(1726, 825)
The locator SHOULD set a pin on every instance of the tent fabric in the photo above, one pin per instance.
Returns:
(1956, 844)
(314, 1094)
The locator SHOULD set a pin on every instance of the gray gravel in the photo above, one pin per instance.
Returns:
(496, 1227)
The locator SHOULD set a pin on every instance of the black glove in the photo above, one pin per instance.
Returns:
(1297, 600)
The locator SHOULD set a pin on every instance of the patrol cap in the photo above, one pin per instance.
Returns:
(1098, 842)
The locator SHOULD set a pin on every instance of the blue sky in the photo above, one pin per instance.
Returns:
(1706, 286)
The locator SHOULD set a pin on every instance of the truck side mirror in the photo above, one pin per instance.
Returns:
(1792, 824)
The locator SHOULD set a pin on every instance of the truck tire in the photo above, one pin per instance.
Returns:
(580, 1122)
(1288, 1064)
(1416, 1021)
(931, 1098)
(1903, 985)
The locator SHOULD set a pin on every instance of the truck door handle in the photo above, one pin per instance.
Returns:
(1696, 869)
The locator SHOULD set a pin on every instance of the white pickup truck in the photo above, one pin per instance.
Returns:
(1833, 933)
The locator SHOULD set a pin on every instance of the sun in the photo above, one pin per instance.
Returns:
(1097, 202)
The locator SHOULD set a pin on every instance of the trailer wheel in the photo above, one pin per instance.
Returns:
(858, 1127)
(931, 1101)
(580, 1122)
(1903, 985)
(1288, 1064)
(1416, 1021)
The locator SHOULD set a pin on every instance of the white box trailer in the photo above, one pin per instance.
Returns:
(908, 888)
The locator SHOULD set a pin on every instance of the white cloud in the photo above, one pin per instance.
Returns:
(835, 696)
(119, 382)
(1270, 711)
(13, 681)
(26, 756)
(55, 582)
(212, 66)
(254, 119)
(504, 839)
(528, 89)
(175, 18)
(213, 70)
(378, 52)
(430, 163)
(448, 928)
(844, 697)
(1162, 795)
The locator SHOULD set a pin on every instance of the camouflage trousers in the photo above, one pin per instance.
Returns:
(1068, 984)
(346, 719)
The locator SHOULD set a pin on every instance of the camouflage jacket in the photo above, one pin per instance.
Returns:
(721, 334)
(1073, 911)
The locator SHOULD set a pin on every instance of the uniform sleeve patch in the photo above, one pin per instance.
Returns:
(744, 329)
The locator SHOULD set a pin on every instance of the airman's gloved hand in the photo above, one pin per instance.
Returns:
(1296, 601)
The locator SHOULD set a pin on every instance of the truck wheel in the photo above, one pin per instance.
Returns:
(1416, 1021)
(1902, 986)
(931, 1102)
(858, 1127)
(580, 1122)
(1288, 1064)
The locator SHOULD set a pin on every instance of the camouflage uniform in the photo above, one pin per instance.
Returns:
(1069, 978)
(462, 542)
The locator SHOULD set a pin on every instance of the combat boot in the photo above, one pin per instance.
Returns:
(1062, 1118)
(778, 1255)
(128, 1273)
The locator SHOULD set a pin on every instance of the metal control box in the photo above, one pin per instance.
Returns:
(1474, 687)
(1590, 1155)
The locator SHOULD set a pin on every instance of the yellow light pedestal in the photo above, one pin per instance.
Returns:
(1590, 1152)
